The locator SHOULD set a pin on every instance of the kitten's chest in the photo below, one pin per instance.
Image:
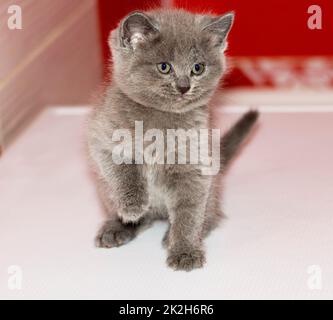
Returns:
(155, 119)
(157, 194)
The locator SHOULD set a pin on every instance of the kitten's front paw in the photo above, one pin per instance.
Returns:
(186, 260)
(114, 234)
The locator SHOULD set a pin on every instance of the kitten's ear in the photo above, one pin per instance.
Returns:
(220, 27)
(135, 28)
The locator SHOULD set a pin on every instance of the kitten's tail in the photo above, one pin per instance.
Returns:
(232, 140)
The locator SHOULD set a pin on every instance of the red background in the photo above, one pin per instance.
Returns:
(272, 28)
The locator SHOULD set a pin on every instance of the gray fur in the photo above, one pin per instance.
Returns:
(135, 195)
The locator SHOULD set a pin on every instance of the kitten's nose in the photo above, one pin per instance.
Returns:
(183, 85)
(183, 89)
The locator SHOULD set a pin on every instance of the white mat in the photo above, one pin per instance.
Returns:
(276, 243)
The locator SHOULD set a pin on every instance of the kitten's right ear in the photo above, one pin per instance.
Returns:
(135, 28)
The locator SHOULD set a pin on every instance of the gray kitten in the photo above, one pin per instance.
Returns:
(166, 66)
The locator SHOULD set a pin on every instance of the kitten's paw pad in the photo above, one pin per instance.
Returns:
(186, 261)
(111, 236)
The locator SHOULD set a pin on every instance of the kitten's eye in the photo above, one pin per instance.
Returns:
(164, 67)
(198, 69)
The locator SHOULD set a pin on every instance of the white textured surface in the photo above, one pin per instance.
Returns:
(277, 196)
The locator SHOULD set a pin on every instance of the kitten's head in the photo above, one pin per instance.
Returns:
(170, 60)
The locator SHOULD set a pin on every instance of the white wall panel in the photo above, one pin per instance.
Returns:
(55, 58)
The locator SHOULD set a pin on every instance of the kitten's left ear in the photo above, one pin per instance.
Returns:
(136, 27)
(220, 27)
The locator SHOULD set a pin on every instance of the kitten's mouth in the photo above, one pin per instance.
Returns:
(185, 96)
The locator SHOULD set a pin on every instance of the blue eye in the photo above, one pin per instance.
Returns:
(198, 69)
(164, 67)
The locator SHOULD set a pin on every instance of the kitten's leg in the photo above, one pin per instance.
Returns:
(213, 217)
(115, 233)
(129, 188)
(188, 195)
(214, 213)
